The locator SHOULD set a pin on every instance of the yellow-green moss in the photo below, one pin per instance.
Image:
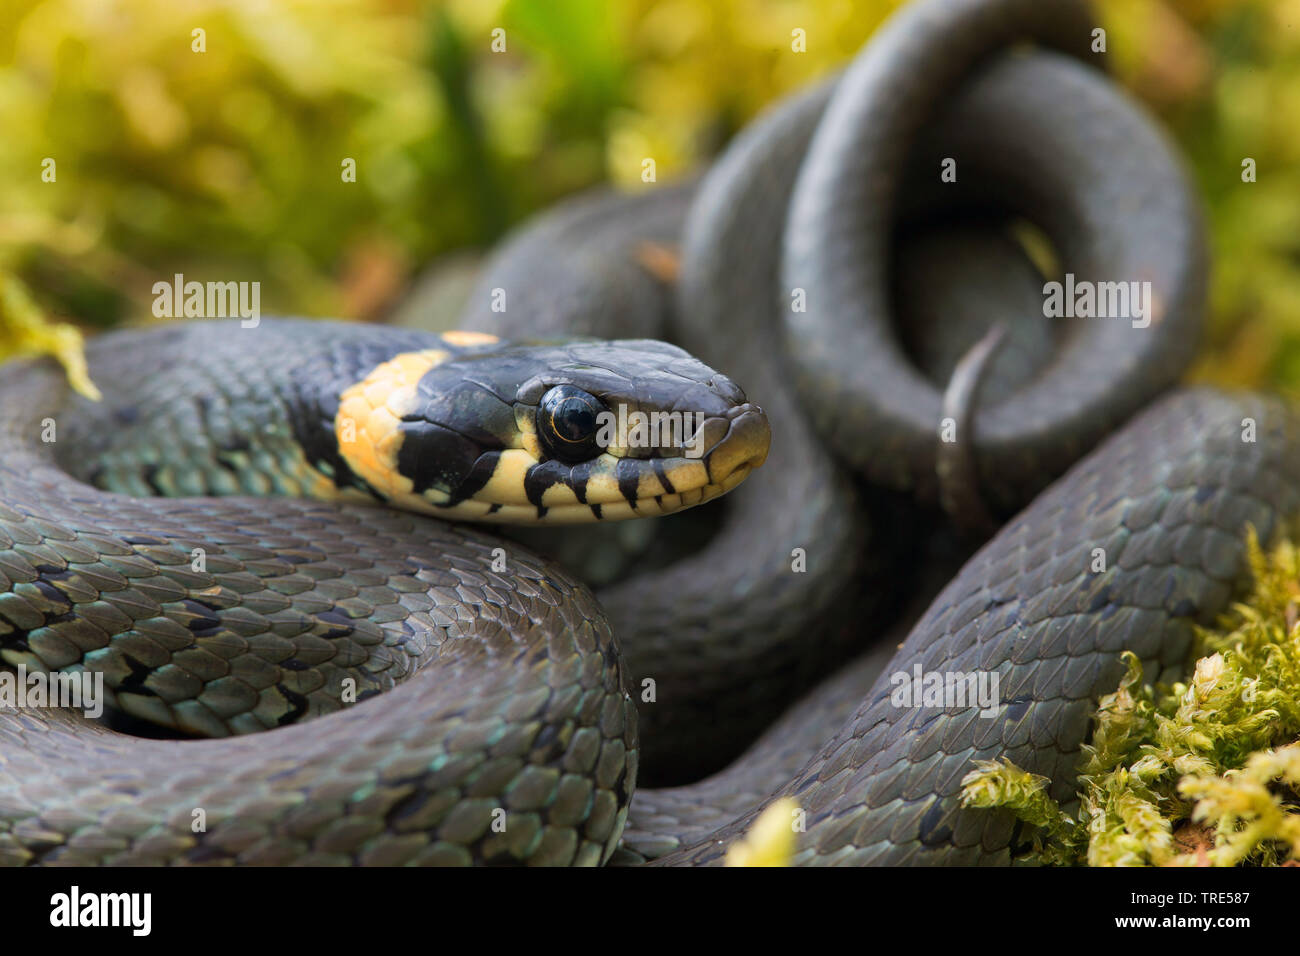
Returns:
(770, 840)
(24, 330)
(1218, 751)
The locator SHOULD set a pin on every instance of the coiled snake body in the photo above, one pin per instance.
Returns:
(833, 200)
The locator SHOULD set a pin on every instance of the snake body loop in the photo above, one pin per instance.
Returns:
(1034, 135)
(724, 627)
(234, 614)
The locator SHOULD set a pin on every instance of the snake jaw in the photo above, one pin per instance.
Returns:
(615, 486)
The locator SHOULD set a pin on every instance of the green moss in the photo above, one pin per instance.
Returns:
(25, 330)
(1214, 758)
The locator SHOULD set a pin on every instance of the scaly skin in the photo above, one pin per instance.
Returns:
(1034, 135)
(1166, 499)
(230, 615)
(411, 776)
(723, 629)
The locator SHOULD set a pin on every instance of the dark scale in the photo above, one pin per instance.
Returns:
(467, 407)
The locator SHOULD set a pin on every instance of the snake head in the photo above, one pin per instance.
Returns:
(553, 433)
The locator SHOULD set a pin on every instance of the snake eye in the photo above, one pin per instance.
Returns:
(567, 423)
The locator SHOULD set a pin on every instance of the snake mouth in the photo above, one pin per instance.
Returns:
(617, 488)
(734, 444)
(741, 449)
(728, 447)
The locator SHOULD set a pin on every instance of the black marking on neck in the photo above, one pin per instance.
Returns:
(313, 425)
(434, 457)
(348, 355)
(595, 510)
(479, 474)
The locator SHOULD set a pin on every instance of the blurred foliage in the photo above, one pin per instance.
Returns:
(1225, 75)
(226, 164)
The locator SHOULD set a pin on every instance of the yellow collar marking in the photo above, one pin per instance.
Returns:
(370, 412)
(461, 338)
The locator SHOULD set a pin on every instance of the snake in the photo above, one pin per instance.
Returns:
(260, 584)
(215, 541)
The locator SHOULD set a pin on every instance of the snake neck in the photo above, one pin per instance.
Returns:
(194, 427)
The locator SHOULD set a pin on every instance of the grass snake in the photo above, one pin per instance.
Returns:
(529, 706)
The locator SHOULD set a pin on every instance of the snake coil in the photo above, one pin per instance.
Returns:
(828, 265)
